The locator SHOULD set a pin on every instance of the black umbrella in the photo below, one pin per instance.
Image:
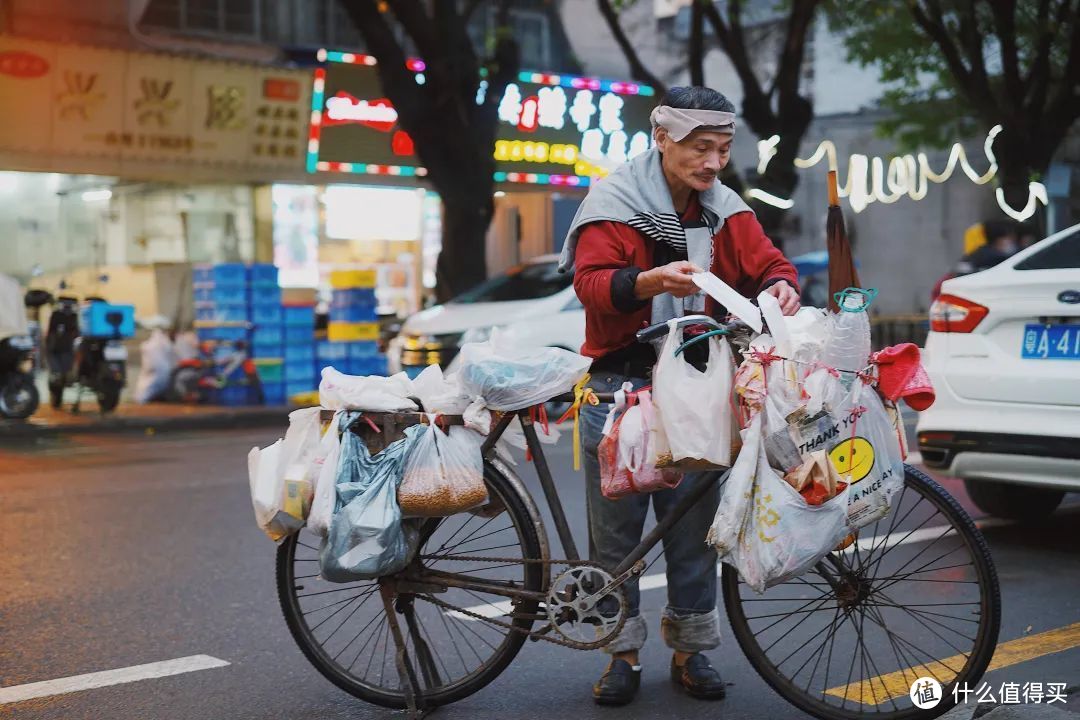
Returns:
(841, 263)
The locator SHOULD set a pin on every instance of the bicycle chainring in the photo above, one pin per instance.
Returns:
(581, 611)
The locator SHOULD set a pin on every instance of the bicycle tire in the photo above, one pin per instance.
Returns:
(982, 651)
(498, 487)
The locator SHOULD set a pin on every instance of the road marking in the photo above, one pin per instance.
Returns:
(898, 684)
(75, 683)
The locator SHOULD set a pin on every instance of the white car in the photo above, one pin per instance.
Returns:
(1004, 356)
(533, 303)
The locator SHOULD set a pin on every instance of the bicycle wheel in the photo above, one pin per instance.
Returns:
(916, 596)
(343, 629)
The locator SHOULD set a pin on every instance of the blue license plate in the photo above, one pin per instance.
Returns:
(1051, 342)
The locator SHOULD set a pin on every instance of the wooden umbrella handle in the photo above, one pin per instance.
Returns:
(834, 192)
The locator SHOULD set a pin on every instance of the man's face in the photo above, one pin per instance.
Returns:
(697, 159)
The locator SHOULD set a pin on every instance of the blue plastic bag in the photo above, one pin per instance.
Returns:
(367, 537)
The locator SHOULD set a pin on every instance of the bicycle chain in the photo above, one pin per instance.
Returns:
(533, 634)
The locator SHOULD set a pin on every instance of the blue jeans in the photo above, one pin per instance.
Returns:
(690, 622)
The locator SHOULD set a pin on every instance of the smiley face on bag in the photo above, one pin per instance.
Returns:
(854, 457)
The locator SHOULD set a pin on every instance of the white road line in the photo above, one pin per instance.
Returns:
(659, 580)
(75, 683)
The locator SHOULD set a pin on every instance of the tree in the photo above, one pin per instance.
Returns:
(778, 107)
(452, 118)
(989, 62)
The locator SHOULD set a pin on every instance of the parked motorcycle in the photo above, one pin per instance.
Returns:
(94, 358)
(220, 365)
(19, 397)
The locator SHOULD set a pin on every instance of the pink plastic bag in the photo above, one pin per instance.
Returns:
(626, 460)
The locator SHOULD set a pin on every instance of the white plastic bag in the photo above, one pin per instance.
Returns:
(158, 360)
(278, 512)
(868, 455)
(444, 473)
(338, 391)
(512, 377)
(693, 408)
(322, 504)
(767, 530)
(300, 446)
(439, 393)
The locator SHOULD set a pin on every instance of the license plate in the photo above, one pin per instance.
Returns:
(1051, 342)
(115, 353)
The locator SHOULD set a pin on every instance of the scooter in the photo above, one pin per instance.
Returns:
(97, 363)
(219, 365)
(19, 397)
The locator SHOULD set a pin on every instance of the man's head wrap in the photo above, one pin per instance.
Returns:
(679, 122)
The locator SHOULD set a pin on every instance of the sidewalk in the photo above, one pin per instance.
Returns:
(130, 417)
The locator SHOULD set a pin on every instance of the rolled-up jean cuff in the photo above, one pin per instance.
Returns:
(631, 637)
(689, 631)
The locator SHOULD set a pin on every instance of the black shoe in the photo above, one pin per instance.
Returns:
(618, 685)
(698, 677)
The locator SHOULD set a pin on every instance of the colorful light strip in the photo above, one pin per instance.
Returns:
(318, 89)
(586, 83)
(542, 179)
(371, 169)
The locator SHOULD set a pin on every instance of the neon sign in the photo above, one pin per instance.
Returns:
(344, 108)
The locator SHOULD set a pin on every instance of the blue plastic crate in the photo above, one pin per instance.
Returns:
(367, 366)
(353, 296)
(267, 350)
(353, 314)
(299, 315)
(222, 275)
(202, 274)
(299, 367)
(234, 395)
(299, 334)
(268, 335)
(221, 294)
(264, 295)
(263, 275)
(299, 352)
(273, 393)
(292, 387)
(265, 315)
(221, 313)
(361, 349)
(228, 333)
(331, 352)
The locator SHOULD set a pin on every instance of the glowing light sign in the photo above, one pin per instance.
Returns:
(870, 180)
(553, 129)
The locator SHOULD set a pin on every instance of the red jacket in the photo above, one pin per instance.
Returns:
(743, 257)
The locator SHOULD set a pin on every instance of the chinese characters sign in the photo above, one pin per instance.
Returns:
(553, 129)
(110, 104)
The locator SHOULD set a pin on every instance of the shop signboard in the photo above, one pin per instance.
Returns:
(141, 107)
(553, 129)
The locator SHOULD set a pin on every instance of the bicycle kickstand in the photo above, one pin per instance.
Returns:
(414, 698)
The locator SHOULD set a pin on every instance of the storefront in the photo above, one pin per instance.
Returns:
(557, 134)
(121, 169)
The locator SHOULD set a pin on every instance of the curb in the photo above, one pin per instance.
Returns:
(268, 417)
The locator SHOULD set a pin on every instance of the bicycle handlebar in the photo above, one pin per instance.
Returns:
(660, 329)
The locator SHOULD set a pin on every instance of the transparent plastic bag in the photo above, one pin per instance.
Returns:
(322, 504)
(338, 391)
(511, 377)
(278, 513)
(367, 537)
(444, 473)
(625, 452)
(693, 423)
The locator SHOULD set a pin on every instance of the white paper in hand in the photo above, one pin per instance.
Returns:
(730, 298)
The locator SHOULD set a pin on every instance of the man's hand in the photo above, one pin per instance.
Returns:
(672, 278)
(786, 296)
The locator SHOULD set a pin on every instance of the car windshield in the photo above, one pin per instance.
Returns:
(524, 282)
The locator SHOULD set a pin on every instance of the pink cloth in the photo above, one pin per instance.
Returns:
(901, 375)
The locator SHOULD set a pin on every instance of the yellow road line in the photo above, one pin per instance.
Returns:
(876, 690)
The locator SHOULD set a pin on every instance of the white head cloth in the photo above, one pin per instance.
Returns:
(679, 122)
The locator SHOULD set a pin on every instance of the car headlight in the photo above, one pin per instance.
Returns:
(476, 335)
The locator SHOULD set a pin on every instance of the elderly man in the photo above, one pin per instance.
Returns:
(637, 238)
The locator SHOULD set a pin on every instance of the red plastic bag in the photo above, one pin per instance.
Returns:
(626, 458)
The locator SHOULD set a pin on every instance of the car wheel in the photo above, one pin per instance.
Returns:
(1015, 502)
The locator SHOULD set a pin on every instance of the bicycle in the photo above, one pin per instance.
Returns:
(456, 617)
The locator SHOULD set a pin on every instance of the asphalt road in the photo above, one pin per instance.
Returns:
(122, 550)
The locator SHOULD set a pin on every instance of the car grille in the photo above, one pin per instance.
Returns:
(422, 350)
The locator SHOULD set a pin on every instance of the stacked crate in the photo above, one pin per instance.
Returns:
(235, 303)
(300, 370)
(353, 331)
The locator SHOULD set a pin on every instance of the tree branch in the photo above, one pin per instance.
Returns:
(638, 71)
(414, 18)
(1004, 12)
(756, 107)
(791, 58)
(935, 29)
(1064, 101)
(1038, 77)
(696, 49)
